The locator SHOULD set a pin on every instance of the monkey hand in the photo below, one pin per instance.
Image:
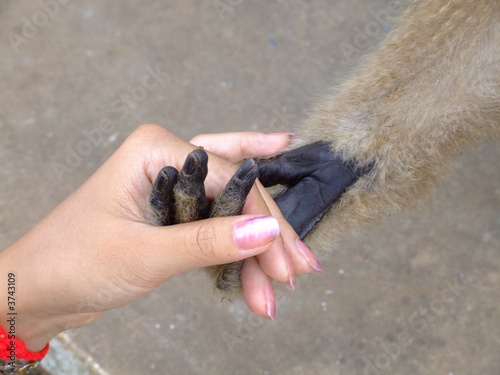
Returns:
(180, 198)
(314, 178)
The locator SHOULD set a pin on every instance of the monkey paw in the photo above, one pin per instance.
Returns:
(314, 177)
(180, 198)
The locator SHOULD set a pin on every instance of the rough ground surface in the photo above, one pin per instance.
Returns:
(258, 68)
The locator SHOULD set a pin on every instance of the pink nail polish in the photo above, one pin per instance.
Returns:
(290, 134)
(270, 300)
(255, 232)
(309, 256)
(291, 273)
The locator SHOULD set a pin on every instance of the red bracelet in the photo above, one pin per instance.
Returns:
(10, 349)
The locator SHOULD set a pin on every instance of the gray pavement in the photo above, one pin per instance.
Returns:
(418, 294)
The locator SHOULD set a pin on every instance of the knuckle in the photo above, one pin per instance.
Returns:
(150, 131)
(205, 242)
(146, 133)
(244, 147)
(197, 140)
(146, 130)
(148, 137)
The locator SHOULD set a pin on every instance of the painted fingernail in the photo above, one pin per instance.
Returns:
(309, 256)
(291, 274)
(289, 134)
(255, 232)
(270, 300)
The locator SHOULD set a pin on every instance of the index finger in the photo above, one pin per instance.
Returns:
(236, 147)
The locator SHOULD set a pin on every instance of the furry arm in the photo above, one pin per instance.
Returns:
(432, 88)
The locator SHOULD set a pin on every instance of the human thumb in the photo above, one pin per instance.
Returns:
(215, 241)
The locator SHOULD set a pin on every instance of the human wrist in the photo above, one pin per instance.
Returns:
(15, 357)
(24, 309)
(22, 345)
(15, 316)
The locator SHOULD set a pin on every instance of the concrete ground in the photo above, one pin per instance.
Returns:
(418, 294)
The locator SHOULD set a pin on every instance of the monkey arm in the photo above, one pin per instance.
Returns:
(432, 88)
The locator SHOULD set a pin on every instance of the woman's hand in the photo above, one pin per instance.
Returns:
(96, 251)
(288, 255)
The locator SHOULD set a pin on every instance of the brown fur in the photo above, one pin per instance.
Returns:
(432, 88)
(186, 209)
(152, 216)
(226, 276)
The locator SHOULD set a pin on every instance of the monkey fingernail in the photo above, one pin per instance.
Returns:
(190, 165)
(270, 300)
(196, 161)
(309, 256)
(164, 184)
(255, 232)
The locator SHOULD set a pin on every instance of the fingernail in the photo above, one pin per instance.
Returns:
(190, 164)
(270, 300)
(291, 274)
(195, 161)
(290, 134)
(309, 256)
(255, 232)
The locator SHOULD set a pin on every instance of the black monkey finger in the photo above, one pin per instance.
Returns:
(231, 203)
(292, 166)
(278, 171)
(190, 189)
(233, 198)
(194, 171)
(161, 198)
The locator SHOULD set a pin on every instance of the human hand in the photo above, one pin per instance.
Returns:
(256, 272)
(96, 251)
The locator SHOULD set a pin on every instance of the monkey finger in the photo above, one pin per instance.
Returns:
(161, 199)
(191, 201)
(230, 203)
(233, 198)
(291, 167)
